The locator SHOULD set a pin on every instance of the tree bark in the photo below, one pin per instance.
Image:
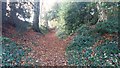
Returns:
(36, 17)
(102, 14)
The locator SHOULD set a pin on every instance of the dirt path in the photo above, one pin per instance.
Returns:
(50, 50)
(47, 49)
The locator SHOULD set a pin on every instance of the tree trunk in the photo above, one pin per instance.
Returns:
(102, 14)
(46, 20)
(36, 17)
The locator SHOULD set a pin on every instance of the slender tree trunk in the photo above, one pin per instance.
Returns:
(102, 14)
(36, 17)
(46, 20)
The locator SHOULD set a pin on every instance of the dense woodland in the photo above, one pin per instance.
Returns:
(70, 33)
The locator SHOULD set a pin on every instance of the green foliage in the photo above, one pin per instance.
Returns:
(71, 18)
(106, 54)
(22, 26)
(44, 29)
(12, 53)
(80, 51)
(52, 14)
(75, 14)
(109, 26)
(82, 41)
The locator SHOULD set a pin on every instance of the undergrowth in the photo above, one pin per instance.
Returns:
(96, 46)
(14, 54)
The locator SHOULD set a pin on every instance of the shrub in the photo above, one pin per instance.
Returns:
(75, 14)
(80, 51)
(109, 26)
(93, 46)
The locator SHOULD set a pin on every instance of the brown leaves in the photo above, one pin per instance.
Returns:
(108, 36)
(99, 42)
(48, 49)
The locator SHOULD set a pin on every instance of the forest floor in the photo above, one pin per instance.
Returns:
(47, 50)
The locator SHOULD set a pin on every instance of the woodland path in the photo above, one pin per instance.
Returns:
(48, 49)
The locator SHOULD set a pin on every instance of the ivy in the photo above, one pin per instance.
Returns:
(12, 53)
(109, 26)
(81, 52)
